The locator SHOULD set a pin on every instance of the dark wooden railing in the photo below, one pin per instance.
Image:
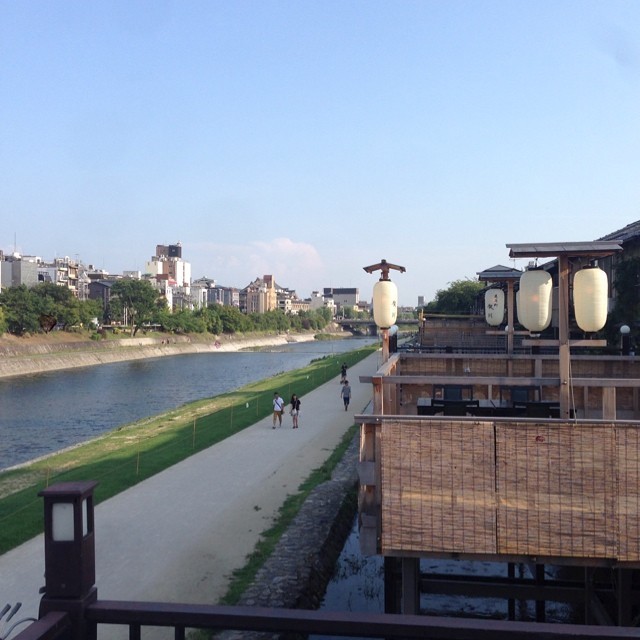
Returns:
(136, 615)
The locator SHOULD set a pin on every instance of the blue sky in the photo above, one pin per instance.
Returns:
(309, 139)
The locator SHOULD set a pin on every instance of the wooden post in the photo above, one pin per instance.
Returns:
(564, 353)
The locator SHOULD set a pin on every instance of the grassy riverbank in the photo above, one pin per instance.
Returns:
(132, 453)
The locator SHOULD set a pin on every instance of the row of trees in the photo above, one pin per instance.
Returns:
(45, 306)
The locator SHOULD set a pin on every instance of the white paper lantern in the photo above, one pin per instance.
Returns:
(590, 293)
(385, 303)
(534, 301)
(494, 307)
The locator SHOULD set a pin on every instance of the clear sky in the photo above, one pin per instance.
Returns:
(308, 139)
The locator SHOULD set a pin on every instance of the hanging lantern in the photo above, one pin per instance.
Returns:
(590, 292)
(534, 301)
(385, 303)
(494, 307)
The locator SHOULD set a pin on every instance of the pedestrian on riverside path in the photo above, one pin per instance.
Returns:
(343, 372)
(345, 392)
(295, 410)
(278, 409)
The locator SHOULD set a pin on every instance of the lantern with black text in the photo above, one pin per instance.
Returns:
(385, 303)
(534, 301)
(590, 297)
(494, 307)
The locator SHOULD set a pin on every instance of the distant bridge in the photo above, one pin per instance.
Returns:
(368, 326)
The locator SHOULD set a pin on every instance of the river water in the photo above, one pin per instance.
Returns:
(46, 412)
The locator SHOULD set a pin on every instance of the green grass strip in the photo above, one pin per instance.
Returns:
(132, 453)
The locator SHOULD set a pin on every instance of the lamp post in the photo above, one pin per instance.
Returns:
(69, 552)
(385, 301)
(625, 330)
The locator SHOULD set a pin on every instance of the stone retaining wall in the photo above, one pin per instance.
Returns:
(297, 573)
(16, 360)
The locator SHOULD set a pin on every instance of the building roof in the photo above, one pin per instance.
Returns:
(625, 234)
(596, 249)
(499, 273)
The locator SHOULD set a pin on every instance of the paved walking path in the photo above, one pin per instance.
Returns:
(177, 536)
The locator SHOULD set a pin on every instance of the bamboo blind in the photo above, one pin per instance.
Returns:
(437, 487)
(517, 488)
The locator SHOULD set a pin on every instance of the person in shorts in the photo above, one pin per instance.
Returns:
(278, 408)
(295, 410)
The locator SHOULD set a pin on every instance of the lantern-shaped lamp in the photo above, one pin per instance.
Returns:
(590, 293)
(534, 301)
(494, 307)
(385, 303)
(69, 539)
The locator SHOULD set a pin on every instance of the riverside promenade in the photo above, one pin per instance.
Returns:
(179, 535)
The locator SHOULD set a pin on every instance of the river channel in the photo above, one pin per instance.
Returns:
(46, 412)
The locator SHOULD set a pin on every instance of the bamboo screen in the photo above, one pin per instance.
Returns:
(518, 488)
(556, 486)
(628, 450)
(437, 487)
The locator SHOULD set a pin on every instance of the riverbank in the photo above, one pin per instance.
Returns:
(23, 356)
(222, 500)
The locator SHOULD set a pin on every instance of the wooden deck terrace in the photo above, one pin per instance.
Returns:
(506, 489)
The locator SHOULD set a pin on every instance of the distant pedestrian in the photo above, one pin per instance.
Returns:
(295, 410)
(345, 392)
(343, 372)
(278, 408)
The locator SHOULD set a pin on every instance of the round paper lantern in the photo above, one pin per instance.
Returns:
(590, 293)
(534, 301)
(494, 307)
(385, 303)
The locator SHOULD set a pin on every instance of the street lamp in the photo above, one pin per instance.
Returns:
(385, 301)
(625, 330)
(69, 551)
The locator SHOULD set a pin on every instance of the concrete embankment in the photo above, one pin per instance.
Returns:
(19, 359)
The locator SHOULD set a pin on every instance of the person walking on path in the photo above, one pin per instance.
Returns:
(345, 392)
(343, 372)
(278, 408)
(295, 410)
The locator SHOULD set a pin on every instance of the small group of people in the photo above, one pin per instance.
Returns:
(279, 407)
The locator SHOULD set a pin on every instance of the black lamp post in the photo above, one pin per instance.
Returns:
(69, 552)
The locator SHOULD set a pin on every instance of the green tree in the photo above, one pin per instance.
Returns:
(137, 299)
(21, 310)
(233, 320)
(57, 302)
(211, 317)
(458, 299)
(89, 311)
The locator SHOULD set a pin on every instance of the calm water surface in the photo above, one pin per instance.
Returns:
(42, 413)
(358, 585)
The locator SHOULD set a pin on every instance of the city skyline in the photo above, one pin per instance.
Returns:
(308, 140)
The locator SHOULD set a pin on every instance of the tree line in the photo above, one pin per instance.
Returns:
(26, 310)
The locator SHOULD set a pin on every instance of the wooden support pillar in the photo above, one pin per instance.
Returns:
(410, 586)
(392, 589)
(540, 604)
(511, 603)
(511, 321)
(608, 403)
(564, 353)
(623, 595)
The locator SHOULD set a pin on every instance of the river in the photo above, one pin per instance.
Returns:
(46, 412)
